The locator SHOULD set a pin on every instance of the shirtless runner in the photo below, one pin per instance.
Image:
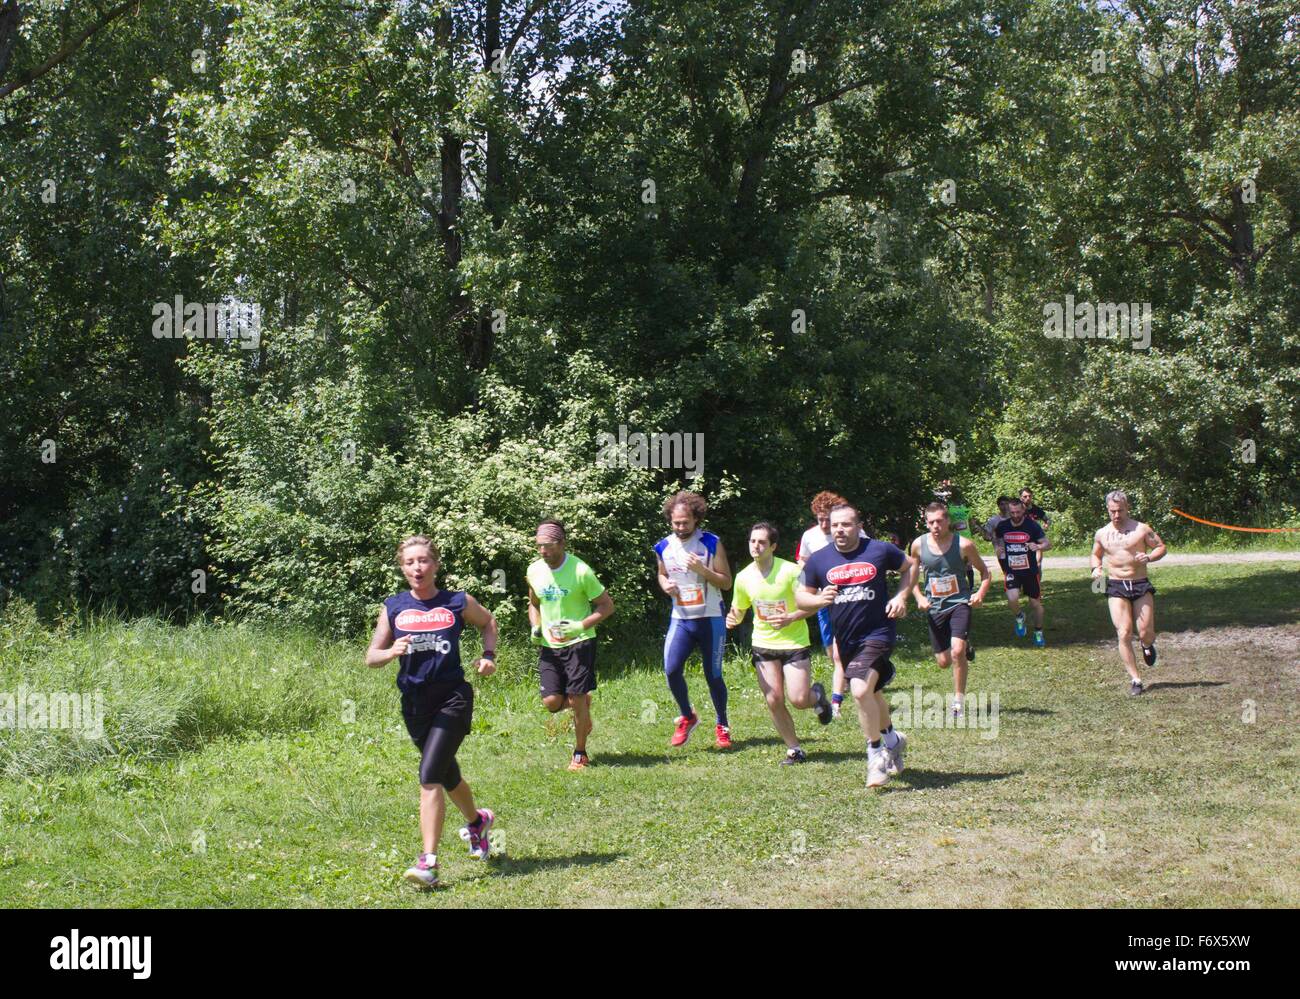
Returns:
(1129, 546)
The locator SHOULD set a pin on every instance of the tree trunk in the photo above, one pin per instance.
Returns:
(472, 335)
(1243, 242)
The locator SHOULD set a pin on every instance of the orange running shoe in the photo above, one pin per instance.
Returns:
(724, 737)
(580, 761)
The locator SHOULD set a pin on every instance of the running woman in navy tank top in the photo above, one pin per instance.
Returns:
(421, 628)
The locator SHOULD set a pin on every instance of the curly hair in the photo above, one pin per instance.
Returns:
(824, 501)
(693, 502)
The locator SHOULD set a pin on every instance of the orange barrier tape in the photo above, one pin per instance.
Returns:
(1229, 527)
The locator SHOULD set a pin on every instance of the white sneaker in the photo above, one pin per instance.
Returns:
(835, 709)
(877, 768)
(424, 872)
(894, 762)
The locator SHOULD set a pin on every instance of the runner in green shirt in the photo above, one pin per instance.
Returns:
(780, 639)
(565, 603)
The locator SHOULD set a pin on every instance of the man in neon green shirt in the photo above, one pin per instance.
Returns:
(565, 603)
(780, 639)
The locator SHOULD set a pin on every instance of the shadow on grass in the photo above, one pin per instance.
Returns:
(1189, 683)
(755, 740)
(837, 756)
(511, 867)
(1025, 711)
(920, 780)
(630, 759)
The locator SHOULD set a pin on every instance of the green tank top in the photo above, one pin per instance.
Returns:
(945, 575)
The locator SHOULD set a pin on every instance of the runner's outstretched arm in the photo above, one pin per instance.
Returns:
(975, 560)
(906, 581)
(602, 609)
(383, 649)
(1097, 553)
(665, 581)
(915, 552)
(534, 610)
(481, 618)
(1158, 548)
(808, 598)
(720, 574)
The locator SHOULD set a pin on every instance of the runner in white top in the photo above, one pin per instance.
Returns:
(693, 572)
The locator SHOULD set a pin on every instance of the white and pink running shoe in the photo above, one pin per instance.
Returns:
(424, 872)
(479, 846)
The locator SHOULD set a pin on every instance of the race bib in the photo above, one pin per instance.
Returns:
(690, 595)
(942, 586)
(1020, 561)
(766, 610)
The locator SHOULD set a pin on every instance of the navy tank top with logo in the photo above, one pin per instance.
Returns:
(434, 627)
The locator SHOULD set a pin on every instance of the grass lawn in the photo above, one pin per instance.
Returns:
(244, 768)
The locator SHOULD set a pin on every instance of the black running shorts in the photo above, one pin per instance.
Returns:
(952, 622)
(1129, 589)
(1025, 581)
(570, 670)
(872, 655)
(438, 718)
(786, 657)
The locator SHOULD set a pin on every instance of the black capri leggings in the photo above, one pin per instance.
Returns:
(438, 720)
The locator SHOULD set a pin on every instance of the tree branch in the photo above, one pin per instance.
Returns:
(529, 13)
(835, 94)
(1279, 239)
(67, 49)
(1201, 224)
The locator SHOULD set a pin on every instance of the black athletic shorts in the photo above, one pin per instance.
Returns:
(952, 622)
(438, 717)
(1025, 581)
(1129, 589)
(786, 657)
(570, 670)
(872, 655)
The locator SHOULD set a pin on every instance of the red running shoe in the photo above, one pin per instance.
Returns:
(684, 728)
(724, 737)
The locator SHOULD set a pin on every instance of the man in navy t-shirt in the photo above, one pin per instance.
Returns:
(848, 577)
(1022, 539)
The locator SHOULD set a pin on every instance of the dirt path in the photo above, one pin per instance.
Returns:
(1211, 558)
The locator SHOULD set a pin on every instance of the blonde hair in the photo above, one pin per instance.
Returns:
(417, 539)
